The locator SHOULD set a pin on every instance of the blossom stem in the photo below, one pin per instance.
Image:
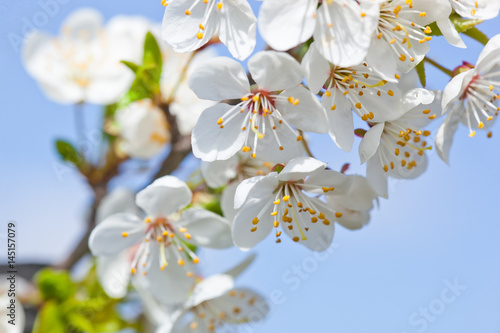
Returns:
(438, 66)
(306, 146)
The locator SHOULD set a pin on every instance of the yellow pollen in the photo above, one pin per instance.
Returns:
(390, 93)
(255, 220)
(124, 234)
(188, 236)
(286, 198)
(253, 229)
(219, 5)
(338, 214)
(188, 12)
(196, 260)
(199, 35)
(180, 262)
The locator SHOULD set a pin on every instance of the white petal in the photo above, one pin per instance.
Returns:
(120, 200)
(370, 142)
(450, 33)
(227, 202)
(445, 133)
(253, 307)
(206, 228)
(376, 176)
(242, 236)
(286, 23)
(486, 9)
(308, 115)
(209, 288)
(381, 58)
(181, 30)
(340, 118)
(316, 68)
(84, 19)
(107, 237)
(237, 270)
(113, 273)
(346, 42)
(218, 79)
(237, 28)
(254, 188)
(415, 97)
(169, 286)
(455, 88)
(299, 168)
(219, 173)
(210, 142)
(491, 47)
(359, 197)
(273, 71)
(328, 178)
(164, 196)
(268, 147)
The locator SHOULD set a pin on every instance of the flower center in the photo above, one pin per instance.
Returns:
(297, 211)
(401, 145)
(261, 117)
(480, 98)
(354, 83)
(172, 245)
(399, 31)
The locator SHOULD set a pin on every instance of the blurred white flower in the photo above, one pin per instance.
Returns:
(162, 237)
(215, 303)
(190, 24)
(286, 199)
(265, 113)
(82, 64)
(342, 29)
(396, 147)
(143, 129)
(113, 271)
(471, 97)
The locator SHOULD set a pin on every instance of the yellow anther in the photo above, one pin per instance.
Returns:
(334, 106)
(182, 230)
(277, 202)
(219, 5)
(180, 262)
(274, 213)
(253, 229)
(199, 35)
(296, 239)
(276, 224)
(255, 220)
(328, 93)
(338, 214)
(188, 236)
(299, 138)
(390, 93)
(124, 234)
(196, 260)
(286, 198)
(188, 12)
(358, 105)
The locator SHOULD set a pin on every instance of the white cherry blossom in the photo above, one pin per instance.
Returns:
(82, 64)
(190, 24)
(342, 29)
(401, 38)
(471, 97)
(356, 88)
(264, 122)
(162, 261)
(397, 147)
(143, 129)
(286, 199)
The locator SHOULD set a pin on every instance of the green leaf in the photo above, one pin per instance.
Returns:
(55, 284)
(68, 153)
(152, 58)
(477, 35)
(49, 319)
(435, 29)
(80, 323)
(421, 73)
(133, 67)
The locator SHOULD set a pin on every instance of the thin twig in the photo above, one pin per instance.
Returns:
(439, 66)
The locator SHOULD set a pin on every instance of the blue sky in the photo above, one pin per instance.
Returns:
(433, 245)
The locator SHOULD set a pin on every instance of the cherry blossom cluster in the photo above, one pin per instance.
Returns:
(330, 65)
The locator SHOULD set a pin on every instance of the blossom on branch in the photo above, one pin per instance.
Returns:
(269, 112)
